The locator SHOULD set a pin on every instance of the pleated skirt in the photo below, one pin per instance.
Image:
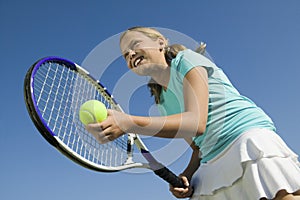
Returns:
(258, 164)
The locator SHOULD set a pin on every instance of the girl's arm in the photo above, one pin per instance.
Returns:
(194, 162)
(188, 124)
(187, 174)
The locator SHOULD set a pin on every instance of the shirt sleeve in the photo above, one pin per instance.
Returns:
(188, 59)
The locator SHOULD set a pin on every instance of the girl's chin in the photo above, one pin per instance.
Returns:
(139, 71)
(146, 69)
(143, 69)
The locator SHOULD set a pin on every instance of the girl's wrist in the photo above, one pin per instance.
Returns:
(187, 175)
(136, 124)
(131, 124)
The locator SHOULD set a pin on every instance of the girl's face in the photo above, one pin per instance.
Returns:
(143, 54)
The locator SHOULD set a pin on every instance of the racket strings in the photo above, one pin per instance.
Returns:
(59, 92)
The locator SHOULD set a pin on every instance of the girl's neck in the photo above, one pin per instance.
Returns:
(162, 76)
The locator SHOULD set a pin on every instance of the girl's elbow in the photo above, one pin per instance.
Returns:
(201, 128)
(198, 125)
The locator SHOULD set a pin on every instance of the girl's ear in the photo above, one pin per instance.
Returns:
(162, 42)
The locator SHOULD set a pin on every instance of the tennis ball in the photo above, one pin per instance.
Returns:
(92, 111)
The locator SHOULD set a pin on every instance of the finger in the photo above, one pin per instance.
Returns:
(107, 135)
(179, 190)
(103, 140)
(104, 125)
(185, 181)
(176, 194)
(98, 126)
(107, 131)
(94, 129)
(99, 135)
(179, 195)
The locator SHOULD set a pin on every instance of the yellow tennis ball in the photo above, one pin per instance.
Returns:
(92, 111)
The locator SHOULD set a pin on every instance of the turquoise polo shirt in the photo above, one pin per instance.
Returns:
(229, 113)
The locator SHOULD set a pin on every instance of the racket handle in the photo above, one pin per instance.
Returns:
(170, 177)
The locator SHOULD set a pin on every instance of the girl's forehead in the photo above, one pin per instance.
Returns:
(126, 40)
(131, 36)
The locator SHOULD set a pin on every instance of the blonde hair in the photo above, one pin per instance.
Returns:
(150, 32)
(170, 53)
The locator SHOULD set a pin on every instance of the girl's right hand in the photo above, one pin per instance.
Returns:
(182, 192)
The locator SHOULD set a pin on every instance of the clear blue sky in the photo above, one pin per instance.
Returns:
(256, 43)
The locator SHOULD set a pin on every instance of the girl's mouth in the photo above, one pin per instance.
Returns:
(137, 61)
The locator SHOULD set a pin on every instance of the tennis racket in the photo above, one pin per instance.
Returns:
(54, 90)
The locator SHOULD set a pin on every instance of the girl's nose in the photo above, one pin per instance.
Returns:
(131, 53)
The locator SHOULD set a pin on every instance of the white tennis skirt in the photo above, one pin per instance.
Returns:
(258, 164)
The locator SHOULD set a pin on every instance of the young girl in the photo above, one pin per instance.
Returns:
(236, 153)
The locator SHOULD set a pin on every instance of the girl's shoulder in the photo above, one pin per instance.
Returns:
(188, 59)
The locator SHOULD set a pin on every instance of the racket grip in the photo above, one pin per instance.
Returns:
(170, 177)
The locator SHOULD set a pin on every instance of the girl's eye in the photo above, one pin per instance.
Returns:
(132, 46)
(126, 54)
(135, 44)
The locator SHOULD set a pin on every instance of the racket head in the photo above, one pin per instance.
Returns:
(54, 89)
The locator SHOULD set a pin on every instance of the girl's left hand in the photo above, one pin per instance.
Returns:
(182, 192)
(111, 128)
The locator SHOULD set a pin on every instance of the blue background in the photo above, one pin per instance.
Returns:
(256, 42)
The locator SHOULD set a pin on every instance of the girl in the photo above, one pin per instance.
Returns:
(236, 153)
